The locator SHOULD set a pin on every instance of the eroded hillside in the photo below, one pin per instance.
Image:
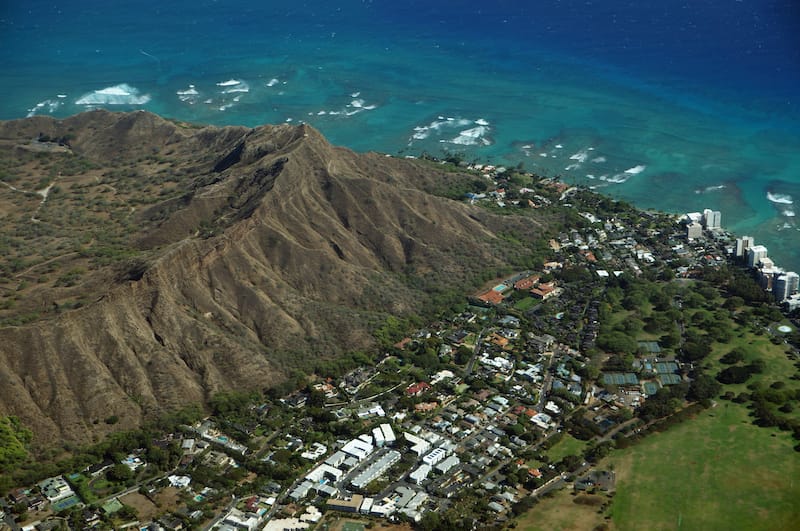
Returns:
(147, 264)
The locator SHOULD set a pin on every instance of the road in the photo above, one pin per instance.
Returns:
(475, 353)
(546, 385)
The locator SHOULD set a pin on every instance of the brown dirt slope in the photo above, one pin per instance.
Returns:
(171, 261)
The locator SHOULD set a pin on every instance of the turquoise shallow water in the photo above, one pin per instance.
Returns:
(661, 107)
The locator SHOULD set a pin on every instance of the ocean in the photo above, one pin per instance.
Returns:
(672, 105)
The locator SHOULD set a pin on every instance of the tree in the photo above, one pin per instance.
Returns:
(696, 350)
(703, 387)
(128, 513)
(733, 303)
(617, 342)
(734, 356)
(571, 462)
(119, 473)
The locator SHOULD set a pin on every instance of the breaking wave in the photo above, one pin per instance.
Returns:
(783, 199)
(122, 94)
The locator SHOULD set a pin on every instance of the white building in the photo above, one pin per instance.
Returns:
(543, 420)
(316, 451)
(323, 471)
(421, 473)
(743, 244)
(418, 445)
(242, 520)
(785, 285)
(375, 469)
(755, 254)
(447, 464)
(712, 219)
(55, 488)
(358, 448)
(388, 434)
(336, 459)
(377, 434)
(434, 457)
(694, 230)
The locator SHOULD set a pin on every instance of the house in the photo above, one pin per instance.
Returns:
(55, 488)
(242, 520)
(187, 446)
(526, 283)
(490, 297)
(351, 505)
(171, 523)
(417, 388)
(544, 291)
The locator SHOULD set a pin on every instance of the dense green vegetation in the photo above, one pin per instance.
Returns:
(14, 439)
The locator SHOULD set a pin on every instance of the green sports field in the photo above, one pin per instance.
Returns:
(714, 472)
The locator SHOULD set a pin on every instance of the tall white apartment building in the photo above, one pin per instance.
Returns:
(755, 254)
(743, 244)
(712, 219)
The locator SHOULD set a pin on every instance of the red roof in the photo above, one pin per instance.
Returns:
(402, 343)
(417, 388)
(526, 283)
(491, 297)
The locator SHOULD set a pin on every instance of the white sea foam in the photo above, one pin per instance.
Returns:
(191, 91)
(620, 178)
(571, 167)
(789, 213)
(421, 133)
(599, 159)
(356, 106)
(355, 94)
(543, 155)
(580, 156)
(481, 121)
(229, 83)
(49, 106)
(272, 82)
(61, 96)
(636, 169)
(472, 137)
(589, 176)
(242, 87)
(122, 94)
(559, 146)
(783, 199)
(710, 189)
(438, 126)
(190, 95)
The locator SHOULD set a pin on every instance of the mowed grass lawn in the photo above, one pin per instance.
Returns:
(714, 472)
(568, 445)
(778, 366)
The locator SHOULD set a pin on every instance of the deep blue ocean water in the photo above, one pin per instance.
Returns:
(676, 105)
